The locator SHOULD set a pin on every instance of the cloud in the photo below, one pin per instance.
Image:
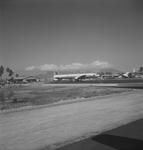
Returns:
(47, 67)
(30, 68)
(101, 64)
(73, 66)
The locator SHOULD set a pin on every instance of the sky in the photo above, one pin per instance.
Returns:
(71, 34)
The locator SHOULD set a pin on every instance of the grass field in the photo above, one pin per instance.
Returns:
(19, 96)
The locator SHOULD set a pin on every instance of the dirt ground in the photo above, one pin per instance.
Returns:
(51, 127)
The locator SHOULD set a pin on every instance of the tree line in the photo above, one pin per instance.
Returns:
(8, 70)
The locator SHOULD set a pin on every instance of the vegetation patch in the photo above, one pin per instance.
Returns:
(14, 97)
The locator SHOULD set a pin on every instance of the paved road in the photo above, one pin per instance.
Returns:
(49, 127)
(126, 137)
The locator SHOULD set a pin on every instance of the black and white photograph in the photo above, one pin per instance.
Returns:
(71, 75)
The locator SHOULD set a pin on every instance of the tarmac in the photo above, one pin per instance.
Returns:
(127, 137)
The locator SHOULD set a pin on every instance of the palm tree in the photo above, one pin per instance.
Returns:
(17, 75)
(1, 71)
(141, 69)
(9, 71)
